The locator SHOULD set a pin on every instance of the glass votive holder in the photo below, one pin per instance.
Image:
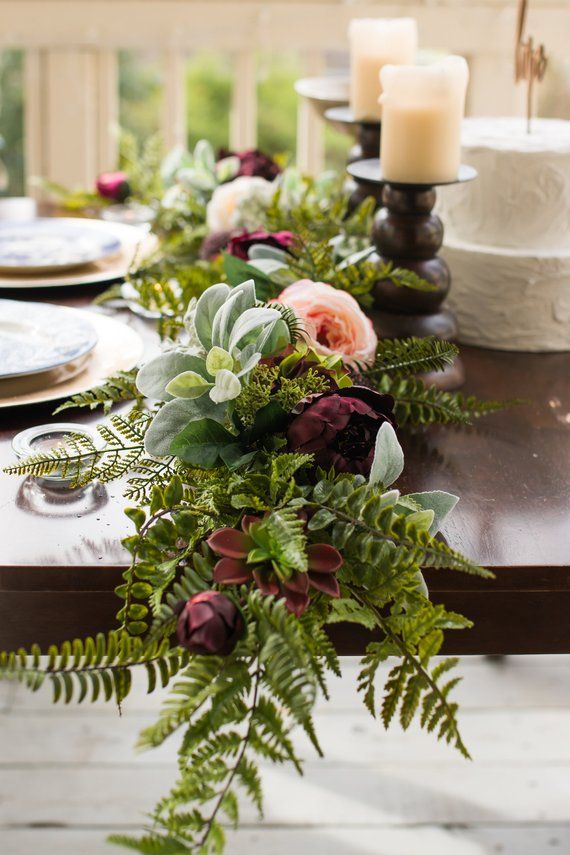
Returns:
(45, 438)
(129, 214)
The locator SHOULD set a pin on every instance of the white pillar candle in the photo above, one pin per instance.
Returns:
(375, 42)
(422, 111)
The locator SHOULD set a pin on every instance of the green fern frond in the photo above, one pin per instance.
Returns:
(419, 404)
(117, 388)
(100, 666)
(149, 845)
(82, 461)
(377, 536)
(403, 277)
(411, 356)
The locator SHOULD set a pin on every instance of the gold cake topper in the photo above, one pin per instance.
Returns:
(530, 61)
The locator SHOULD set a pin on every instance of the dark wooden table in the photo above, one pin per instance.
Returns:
(61, 557)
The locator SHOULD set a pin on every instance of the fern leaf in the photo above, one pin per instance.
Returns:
(117, 388)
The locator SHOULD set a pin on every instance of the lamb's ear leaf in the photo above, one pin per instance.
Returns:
(388, 463)
(241, 299)
(274, 338)
(226, 388)
(204, 156)
(261, 250)
(218, 358)
(251, 320)
(227, 168)
(207, 307)
(188, 385)
(438, 501)
(173, 417)
(154, 377)
(249, 363)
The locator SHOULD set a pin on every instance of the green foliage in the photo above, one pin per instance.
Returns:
(402, 277)
(235, 711)
(116, 388)
(411, 685)
(256, 394)
(385, 544)
(411, 355)
(418, 404)
(141, 162)
(82, 460)
(93, 668)
(163, 287)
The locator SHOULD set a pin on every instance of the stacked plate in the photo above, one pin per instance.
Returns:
(48, 352)
(55, 252)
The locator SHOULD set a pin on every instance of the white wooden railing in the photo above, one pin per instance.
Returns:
(71, 78)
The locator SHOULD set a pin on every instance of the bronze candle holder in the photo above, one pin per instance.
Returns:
(366, 147)
(407, 233)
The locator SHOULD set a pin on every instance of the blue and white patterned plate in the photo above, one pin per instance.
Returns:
(48, 245)
(36, 337)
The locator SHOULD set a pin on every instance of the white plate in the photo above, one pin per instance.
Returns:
(135, 242)
(119, 348)
(52, 245)
(37, 337)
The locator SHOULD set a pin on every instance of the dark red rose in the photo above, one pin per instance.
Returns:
(209, 624)
(339, 427)
(233, 568)
(113, 185)
(241, 244)
(213, 244)
(254, 162)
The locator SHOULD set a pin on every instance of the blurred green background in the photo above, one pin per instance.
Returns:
(208, 82)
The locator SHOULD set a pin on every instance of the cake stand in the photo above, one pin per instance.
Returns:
(366, 147)
(408, 233)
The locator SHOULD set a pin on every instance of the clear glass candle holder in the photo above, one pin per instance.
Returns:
(44, 438)
(130, 214)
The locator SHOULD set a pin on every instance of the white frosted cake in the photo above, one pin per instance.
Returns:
(507, 235)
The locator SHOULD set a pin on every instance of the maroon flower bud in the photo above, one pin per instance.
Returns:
(241, 244)
(339, 427)
(254, 162)
(113, 185)
(213, 244)
(209, 624)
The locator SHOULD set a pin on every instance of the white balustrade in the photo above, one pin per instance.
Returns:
(71, 81)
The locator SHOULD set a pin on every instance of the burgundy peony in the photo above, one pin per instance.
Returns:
(233, 568)
(113, 185)
(339, 427)
(241, 244)
(254, 162)
(209, 624)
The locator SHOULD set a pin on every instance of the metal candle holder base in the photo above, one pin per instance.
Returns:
(366, 147)
(408, 233)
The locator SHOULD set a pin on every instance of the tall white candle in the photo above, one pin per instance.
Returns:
(375, 42)
(422, 111)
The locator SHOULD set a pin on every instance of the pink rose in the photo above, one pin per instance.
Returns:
(333, 320)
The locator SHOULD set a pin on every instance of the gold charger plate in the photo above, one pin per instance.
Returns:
(135, 242)
(119, 348)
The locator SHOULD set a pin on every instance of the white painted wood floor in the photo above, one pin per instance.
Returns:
(68, 775)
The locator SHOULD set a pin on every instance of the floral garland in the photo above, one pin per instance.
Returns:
(263, 459)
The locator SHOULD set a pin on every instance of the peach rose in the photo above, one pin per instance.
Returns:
(333, 320)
